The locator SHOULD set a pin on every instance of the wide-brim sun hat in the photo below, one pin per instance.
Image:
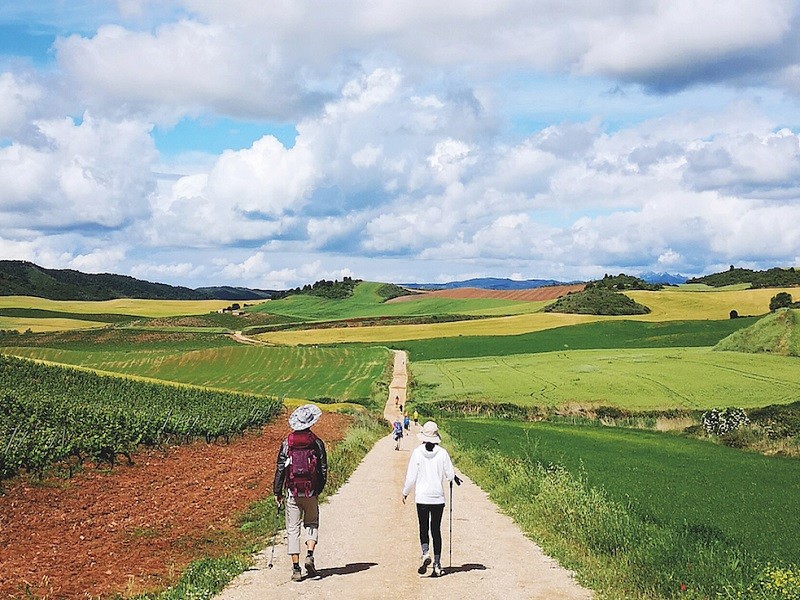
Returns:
(429, 433)
(304, 417)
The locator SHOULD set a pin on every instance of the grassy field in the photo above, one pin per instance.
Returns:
(640, 379)
(602, 334)
(666, 305)
(346, 374)
(641, 514)
(667, 478)
(366, 302)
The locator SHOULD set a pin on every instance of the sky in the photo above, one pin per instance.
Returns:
(273, 144)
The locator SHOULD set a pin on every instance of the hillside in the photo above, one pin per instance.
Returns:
(597, 301)
(23, 278)
(777, 333)
(775, 277)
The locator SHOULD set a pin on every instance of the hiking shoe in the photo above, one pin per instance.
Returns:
(426, 560)
(437, 570)
(311, 570)
(297, 574)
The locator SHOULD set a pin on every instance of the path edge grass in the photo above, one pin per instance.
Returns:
(207, 576)
(609, 548)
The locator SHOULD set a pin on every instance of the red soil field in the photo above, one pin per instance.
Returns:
(136, 527)
(531, 295)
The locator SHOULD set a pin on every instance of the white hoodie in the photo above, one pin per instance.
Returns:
(426, 471)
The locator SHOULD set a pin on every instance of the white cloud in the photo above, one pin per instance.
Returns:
(425, 134)
(94, 173)
(16, 99)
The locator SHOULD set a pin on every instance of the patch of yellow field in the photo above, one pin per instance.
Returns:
(122, 306)
(393, 333)
(673, 305)
(45, 325)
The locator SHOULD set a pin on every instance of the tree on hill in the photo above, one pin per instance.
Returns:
(780, 300)
(332, 290)
(597, 301)
(774, 277)
(623, 282)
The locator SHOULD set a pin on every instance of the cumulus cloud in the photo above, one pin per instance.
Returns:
(17, 96)
(407, 148)
(95, 173)
(254, 59)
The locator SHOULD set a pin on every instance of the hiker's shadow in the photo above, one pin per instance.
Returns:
(345, 570)
(465, 568)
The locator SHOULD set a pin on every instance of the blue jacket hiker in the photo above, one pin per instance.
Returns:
(397, 434)
(301, 471)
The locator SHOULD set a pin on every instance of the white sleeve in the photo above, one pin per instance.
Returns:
(411, 474)
(449, 471)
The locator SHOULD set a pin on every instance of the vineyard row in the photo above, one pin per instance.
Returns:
(60, 417)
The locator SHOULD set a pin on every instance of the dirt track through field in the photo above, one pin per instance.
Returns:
(369, 547)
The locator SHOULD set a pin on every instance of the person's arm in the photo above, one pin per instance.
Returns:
(411, 475)
(449, 470)
(323, 466)
(280, 471)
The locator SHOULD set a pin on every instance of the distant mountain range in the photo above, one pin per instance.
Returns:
(665, 278)
(487, 283)
(494, 283)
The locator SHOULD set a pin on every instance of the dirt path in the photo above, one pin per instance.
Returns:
(368, 545)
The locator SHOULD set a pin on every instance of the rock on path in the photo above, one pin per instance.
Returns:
(369, 546)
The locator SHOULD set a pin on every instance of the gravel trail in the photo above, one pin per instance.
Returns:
(369, 547)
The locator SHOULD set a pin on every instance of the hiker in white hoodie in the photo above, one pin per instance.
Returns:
(429, 466)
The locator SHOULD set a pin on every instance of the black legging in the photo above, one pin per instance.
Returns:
(431, 513)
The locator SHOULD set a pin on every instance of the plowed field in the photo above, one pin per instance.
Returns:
(531, 295)
(136, 527)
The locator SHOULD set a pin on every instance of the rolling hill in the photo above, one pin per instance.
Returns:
(23, 278)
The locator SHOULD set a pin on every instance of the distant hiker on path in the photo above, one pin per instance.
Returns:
(416, 418)
(397, 433)
(430, 464)
(406, 421)
(301, 471)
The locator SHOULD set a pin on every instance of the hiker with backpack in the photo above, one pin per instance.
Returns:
(397, 433)
(428, 467)
(301, 471)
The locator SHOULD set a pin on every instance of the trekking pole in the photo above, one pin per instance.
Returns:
(458, 482)
(274, 536)
(451, 525)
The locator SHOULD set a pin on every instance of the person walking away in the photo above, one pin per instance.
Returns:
(428, 467)
(397, 433)
(406, 421)
(301, 471)
(416, 418)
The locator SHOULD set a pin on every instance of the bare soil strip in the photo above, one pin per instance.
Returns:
(550, 292)
(369, 546)
(136, 527)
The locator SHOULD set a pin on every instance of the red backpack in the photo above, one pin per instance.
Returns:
(303, 472)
